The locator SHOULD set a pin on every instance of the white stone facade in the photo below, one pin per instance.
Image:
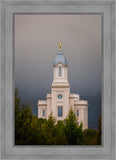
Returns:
(60, 100)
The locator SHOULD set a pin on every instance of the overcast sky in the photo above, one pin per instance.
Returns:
(36, 46)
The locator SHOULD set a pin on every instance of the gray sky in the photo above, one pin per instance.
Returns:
(36, 46)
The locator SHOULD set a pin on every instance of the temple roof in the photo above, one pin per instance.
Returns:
(60, 58)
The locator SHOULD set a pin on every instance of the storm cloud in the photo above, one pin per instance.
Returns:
(36, 40)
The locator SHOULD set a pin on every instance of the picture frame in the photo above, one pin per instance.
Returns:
(8, 150)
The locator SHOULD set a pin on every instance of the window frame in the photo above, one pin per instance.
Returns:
(77, 111)
(43, 113)
(61, 111)
(60, 71)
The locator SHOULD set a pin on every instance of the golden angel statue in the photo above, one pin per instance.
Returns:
(60, 46)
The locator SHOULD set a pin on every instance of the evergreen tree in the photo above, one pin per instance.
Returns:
(99, 131)
(26, 125)
(60, 137)
(90, 137)
(47, 131)
(72, 131)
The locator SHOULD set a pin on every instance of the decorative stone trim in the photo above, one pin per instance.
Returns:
(60, 86)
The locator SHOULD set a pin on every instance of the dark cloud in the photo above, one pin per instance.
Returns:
(36, 47)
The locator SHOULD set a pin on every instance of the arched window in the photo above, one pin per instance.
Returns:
(60, 72)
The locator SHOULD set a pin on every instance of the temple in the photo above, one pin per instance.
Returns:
(60, 100)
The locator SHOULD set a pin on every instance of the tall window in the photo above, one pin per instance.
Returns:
(59, 111)
(77, 112)
(43, 113)
(60, 73)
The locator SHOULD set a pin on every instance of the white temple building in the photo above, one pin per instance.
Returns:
(60, 100)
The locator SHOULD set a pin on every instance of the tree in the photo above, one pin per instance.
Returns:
(47, 131)
(60, 137)
(90, 137)
(26, 125)
(99, 131)
(72, 131)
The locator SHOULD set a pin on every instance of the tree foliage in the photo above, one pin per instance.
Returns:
(99, 131)
(90, 136)
(26, 125)
(29, 130)
(73, 132)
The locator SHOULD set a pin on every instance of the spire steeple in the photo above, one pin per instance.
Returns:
(60, 68)
(60, 58)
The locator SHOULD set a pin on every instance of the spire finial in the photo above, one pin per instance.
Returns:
(60, 46)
